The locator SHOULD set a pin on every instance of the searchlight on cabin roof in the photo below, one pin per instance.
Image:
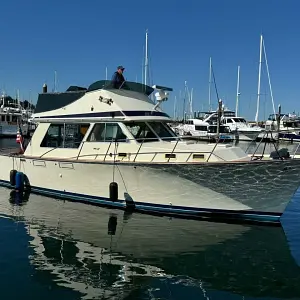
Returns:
(161, 95)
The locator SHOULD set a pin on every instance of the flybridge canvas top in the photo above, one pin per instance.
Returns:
(128, 85)
(51, 101)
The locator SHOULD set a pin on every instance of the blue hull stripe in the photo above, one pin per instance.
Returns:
(110, 114)
(180, 211)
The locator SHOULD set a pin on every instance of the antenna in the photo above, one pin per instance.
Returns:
(237, 92)
(106, 73)
(146, 59)
(259, 74)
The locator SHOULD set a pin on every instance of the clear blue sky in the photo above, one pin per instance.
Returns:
(80, 38)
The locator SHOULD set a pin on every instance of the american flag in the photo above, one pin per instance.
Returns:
(19, 138)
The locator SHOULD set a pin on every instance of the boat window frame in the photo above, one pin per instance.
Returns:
(173, 136)
(107, 141)
(202, 128)
(142, 140)
(225, 127)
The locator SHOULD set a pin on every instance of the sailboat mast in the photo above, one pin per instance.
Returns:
(175, 106)
(146, 59)
(209, 86)
(184, 99)
(30, 101)
(237, 92)
(18, 98)
(191, 102)
(180, 97)
(269, 78)
(259, 75)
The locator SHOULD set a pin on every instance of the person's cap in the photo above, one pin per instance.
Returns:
(121, 68)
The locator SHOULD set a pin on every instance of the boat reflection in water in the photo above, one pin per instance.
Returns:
(110, 254)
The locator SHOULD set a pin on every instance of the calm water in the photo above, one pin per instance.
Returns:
(53, 249)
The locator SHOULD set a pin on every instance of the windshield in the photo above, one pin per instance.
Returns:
(163, 131)
(150, 132)
(141, 132)
(223, 129)
(229, 114)
(241, 120)
(128, 85)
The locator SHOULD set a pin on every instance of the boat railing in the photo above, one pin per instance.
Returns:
(255, 156)
(113, 151)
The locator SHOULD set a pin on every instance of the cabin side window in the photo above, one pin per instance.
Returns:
(64, 135)
(14, 119)
(201, 128)
(107, 132)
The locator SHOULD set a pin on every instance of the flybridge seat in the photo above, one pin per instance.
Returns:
(128, 85)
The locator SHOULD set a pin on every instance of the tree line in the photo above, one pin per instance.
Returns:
(12, 102)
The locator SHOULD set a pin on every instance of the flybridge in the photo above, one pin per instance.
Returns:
(51, 101)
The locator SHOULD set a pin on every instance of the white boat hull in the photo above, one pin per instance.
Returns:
(180, 189)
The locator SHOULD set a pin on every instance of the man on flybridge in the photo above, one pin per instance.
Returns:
(118, 78)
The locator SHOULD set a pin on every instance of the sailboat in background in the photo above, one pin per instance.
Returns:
(237, 92)
(279, 126)
(243, 130)
(272, 125)
(263, 49)
(238, 127)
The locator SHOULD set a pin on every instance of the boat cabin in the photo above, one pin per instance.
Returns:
(286, 122)
(234, 120)
(10, 118)
(94, 121)
(101, 123)
(70, 135)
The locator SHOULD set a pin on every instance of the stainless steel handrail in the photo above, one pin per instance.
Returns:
(138, 153)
